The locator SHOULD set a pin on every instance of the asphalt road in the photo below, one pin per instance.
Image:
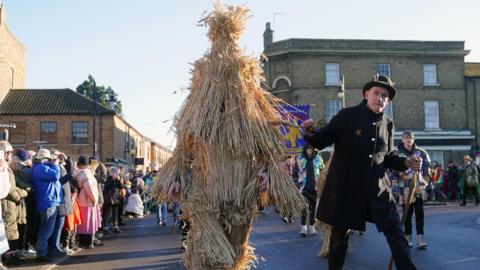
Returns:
(452, 233)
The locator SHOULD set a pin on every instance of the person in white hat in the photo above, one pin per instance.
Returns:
(48, 196)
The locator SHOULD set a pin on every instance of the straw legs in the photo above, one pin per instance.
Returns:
(395, 238)
(211, 246)
(326, 235)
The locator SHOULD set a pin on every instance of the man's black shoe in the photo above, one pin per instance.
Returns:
(97, 242)
(14, 260)
(57, 253)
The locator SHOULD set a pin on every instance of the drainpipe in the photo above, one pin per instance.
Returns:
(475, 110)
(466, 99)
(100, 152)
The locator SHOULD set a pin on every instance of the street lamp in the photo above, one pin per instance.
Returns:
(6, 131)
(341, 90)
(111, 102)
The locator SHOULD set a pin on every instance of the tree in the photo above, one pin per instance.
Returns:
(104, 94)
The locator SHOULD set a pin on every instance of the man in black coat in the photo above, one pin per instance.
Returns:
(357, 188)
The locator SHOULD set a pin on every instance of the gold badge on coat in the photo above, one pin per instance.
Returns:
(358, 132)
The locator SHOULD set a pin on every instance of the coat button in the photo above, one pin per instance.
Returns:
(373, 139)
(374, 124)
(370, 156)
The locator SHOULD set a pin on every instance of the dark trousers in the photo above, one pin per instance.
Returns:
(121, 206)
(110, 215)
(21, 235)
(69, 238)
(395, 238)
(419, 217)
(86, 240)
(452, 189)
(470, 191)
(33, 220)
(311, 197)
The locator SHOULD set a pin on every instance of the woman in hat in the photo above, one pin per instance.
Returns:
(471, 185)
(87, 201)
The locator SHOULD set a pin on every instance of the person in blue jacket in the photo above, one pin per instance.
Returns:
(48, 197)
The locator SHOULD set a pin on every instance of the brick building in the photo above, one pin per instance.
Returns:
(432, 98)
(12, 58)
(472, 81)
(62, 119)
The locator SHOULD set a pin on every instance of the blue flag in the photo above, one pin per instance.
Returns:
(294, 114)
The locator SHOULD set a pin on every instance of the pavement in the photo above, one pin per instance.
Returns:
(452, 233)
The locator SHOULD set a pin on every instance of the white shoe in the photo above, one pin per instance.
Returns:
(27, 253)
(421, 242)
(311, 230)
(303, 230)
(409, 240)
(69, 252)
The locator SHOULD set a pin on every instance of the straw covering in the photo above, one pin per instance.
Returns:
(226, 139)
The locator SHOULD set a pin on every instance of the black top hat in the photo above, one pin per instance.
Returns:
(382, 81)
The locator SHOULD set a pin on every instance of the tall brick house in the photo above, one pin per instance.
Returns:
(432, 98)
(12, 58)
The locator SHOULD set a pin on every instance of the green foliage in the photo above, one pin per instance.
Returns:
(104, 94)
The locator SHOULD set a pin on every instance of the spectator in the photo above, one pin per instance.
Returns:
(9, 208)
(134, 205)
(48, 197)
(65, 206)
(112, 194)
(124, 179)
(453, 180)
(72, 220)
(100, 174)
(438, 179)
(27, 215)
(310, 165)
(4, 190)
(471, 185)
(88, 203)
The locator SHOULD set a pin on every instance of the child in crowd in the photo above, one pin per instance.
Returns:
(71, 222)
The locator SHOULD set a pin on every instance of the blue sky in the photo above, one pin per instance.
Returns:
(143, 48)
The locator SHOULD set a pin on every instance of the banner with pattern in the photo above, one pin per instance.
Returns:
(295, 115)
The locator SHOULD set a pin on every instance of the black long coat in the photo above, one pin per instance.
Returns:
(355, 187)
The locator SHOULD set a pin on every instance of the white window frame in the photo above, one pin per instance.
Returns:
(380, 69)
(332, 106)
(332, 74)
(432, 116)
(430, 75)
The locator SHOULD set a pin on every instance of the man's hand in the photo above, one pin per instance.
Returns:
(309, 126)
(414, 163)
